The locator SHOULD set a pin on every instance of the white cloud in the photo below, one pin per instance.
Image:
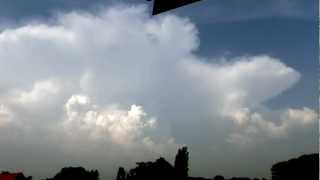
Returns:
(121, 126)
(40, 91)
(240, 87)
(246, 81)
(304, 116)
(5, 115)
(259, 126)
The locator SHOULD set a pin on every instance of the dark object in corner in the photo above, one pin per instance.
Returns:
(161, 6)
(305, 167)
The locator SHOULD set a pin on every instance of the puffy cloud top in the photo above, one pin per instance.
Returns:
(123, 127)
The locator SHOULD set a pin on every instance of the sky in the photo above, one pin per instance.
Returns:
(103, 84)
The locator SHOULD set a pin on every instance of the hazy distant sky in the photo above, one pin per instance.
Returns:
(101, 83)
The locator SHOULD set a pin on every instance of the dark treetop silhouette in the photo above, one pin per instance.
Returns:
(181, 163)
(76, 173)
(159, 170)
(305, 167)
(163, 170)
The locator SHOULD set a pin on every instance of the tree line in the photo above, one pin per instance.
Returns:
(305, 167)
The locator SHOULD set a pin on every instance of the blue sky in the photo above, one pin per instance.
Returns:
(239, 77)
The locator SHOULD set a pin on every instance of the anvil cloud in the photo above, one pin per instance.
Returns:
(116, 86)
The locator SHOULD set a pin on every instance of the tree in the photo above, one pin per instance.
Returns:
(181, 163)
(219, 178)
(77, 173)
(304, 167)
(158, 170)
(121, 174)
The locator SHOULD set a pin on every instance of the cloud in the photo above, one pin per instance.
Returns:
(258, 127)
(39, 92)
(117, 86)
(245, 82)
(240, 87)
(122, 126)
(5, 115)
(129, 130)
(305, 115)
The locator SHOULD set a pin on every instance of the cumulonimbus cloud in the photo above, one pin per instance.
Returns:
(80, 76)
